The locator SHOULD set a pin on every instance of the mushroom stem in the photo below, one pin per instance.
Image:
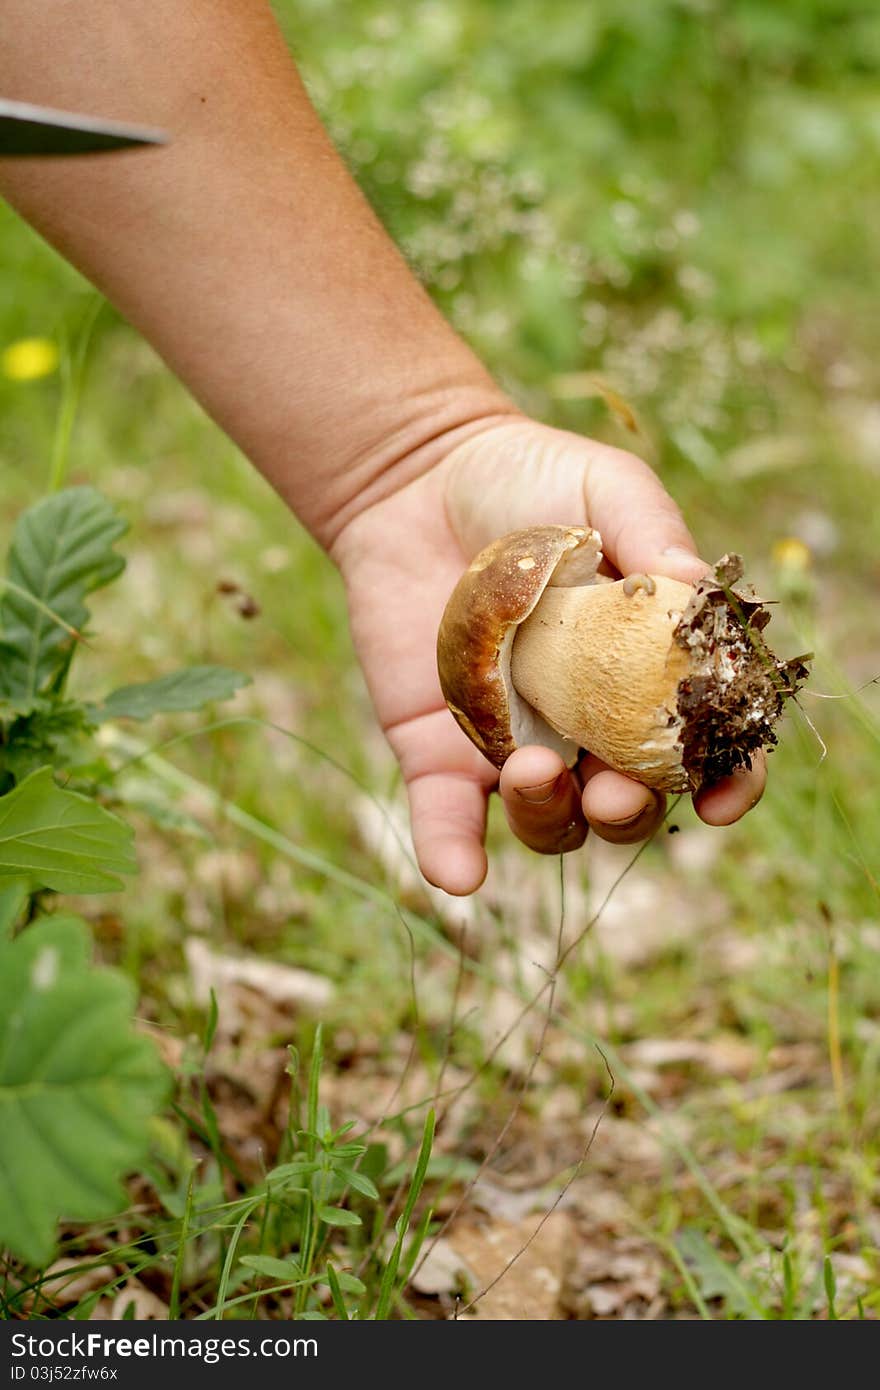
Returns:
(599, 663)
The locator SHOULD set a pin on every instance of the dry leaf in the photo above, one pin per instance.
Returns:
(442, 1271)
(618, 1279)
(726, 1055)
(527, 1291)
(69, 1279)
(579, 386)
(282, 984)
(505, 1205)
(147, 1305)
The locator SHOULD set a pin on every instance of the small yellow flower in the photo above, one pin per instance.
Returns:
(29, 359)
(792, 554)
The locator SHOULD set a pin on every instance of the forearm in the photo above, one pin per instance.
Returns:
(242, 250)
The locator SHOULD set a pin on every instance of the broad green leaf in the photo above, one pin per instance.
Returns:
(181, 690)
(267, 1265)
(10, 710)
(338, 1216)
(77, 1086)
(14, 893)
(61, 840)
(62, 549)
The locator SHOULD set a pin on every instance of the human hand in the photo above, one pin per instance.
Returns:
(402, 557)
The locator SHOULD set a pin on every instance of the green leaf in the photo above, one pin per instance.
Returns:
(153, 801)
(55, 731)
(447, 1167)
(61, 840)
(715, 1277)
(830, 1289)
(181, 690)
(14, 893)
(338, 1216)
(286, 1173)
(11, 710)
(359, 1181)
(77, 1086)
(62, 550)
(288, 1270)
(349, 1283)
(401, 1225)
(336, 1293)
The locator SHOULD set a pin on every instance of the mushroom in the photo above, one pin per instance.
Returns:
(669, 683)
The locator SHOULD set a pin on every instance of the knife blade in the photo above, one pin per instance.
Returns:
(27, 130)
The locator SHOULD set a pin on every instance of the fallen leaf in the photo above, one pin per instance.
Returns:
(147, 1305)
(579, 386)
(442, 1271)
(613, 1279)
(70, 1278)
(282, 984)
(725, 1056)
(527, 1289)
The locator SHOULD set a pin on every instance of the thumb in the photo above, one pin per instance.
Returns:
(523, 474)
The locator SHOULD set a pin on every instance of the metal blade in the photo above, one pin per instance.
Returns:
(39, 130)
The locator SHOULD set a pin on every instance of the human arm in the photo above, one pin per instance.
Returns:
(246, 254)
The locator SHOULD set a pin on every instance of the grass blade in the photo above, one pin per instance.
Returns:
(389, 1275)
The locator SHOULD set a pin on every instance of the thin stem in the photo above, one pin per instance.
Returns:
(72, 374)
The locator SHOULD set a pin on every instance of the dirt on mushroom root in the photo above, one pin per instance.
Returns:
(734, 695)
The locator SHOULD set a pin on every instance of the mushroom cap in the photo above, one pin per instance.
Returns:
(495, 594)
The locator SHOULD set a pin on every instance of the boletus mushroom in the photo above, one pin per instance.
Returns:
(669, 683)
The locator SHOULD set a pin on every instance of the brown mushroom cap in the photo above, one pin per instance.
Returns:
(496, 594)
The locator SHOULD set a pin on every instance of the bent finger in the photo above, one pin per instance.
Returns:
(542, 801)
(618, 809)
(730, 798)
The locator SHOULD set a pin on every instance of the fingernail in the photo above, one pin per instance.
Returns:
(680, 552)
(649, 810)
(630, 820)
(543, 792)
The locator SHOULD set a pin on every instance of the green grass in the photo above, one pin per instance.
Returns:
(683, 202)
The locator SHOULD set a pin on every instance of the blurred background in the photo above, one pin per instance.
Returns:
(657, 224)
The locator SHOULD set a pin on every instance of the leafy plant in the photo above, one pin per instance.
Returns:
(324, 1187)
(77, 1083)
(61, 840)
(777, 1285)
(62, 550)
